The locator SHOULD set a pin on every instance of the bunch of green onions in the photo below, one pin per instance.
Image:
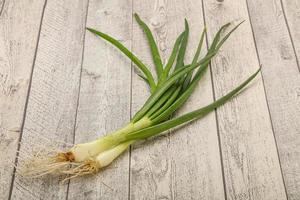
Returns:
(174, 85)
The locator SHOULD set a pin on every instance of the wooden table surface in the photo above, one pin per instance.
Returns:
(61, 84)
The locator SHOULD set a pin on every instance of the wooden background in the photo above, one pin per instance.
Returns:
(61, 83)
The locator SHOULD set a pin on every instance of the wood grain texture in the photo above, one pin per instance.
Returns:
(53, 96)
(104, 102)
(1, 6)
(186, 164)
(250, 159)
(282, 83)
(16, 57)
(292, 14)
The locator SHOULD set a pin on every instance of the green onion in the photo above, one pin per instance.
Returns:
(171, 90)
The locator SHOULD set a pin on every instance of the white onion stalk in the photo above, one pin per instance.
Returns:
(84, 155)
(84, 151)
(102, 160)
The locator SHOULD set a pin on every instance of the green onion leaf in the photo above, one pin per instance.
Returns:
(130, 55)
(167, 104)
(183, 97)
(218, 36)
(171, 59)
(154, 50)
(144, 78)
(195, 59)
(169, 82)
(227, 35)
(181, 53)
(190, 88)
(162, 100)
(164, 126)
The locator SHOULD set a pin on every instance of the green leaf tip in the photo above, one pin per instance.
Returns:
(152, 44)
(186, 24)
(182, 49)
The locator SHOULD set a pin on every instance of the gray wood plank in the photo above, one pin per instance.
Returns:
(16, 57)
(250, 159)
(104, 102)
(292, 16)
(1, 6)
(282, 83)
(186, 164)
(54, 91)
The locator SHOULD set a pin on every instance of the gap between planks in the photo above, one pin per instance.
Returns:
(264, 87)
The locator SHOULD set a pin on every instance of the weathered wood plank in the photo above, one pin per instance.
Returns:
(1, 6)
(185, 165)
(292, 14)
(53, 96)
(250, 159)
(16, 57)
(104, 102)
(282, 83)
